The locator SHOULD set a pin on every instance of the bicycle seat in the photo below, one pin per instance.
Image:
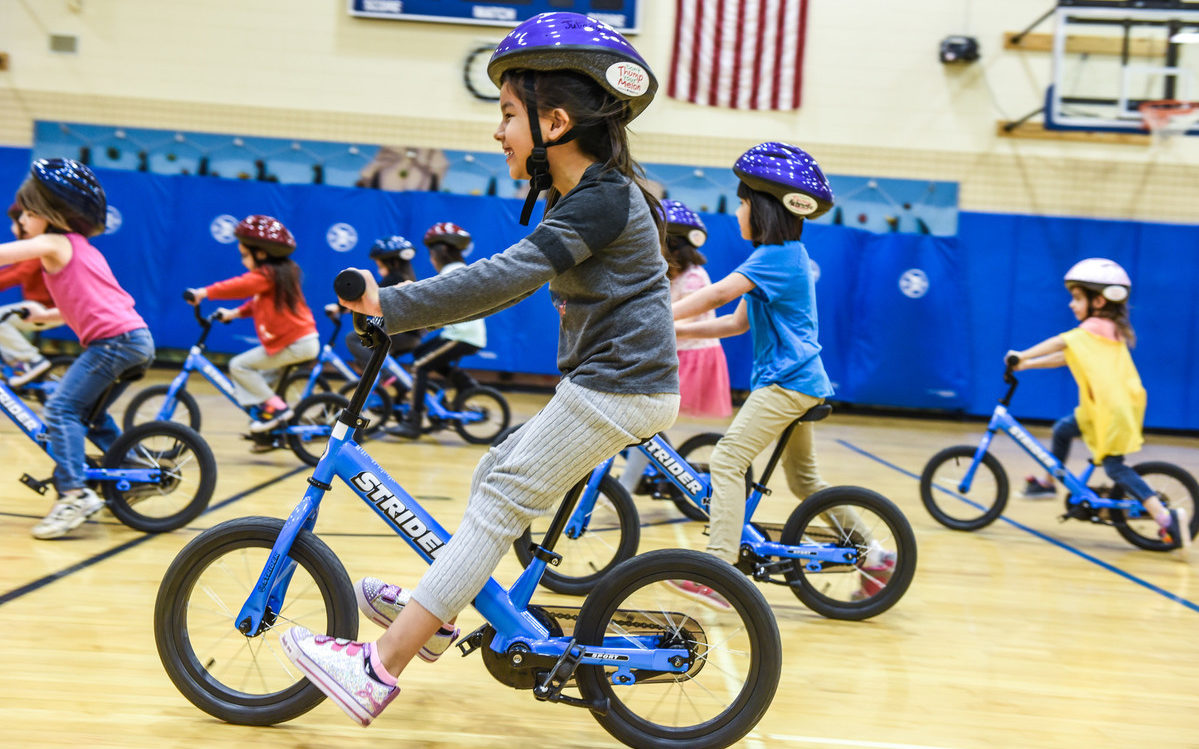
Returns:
(817, 413)
(135, 372)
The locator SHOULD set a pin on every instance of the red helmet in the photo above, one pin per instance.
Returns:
(452, 234)
(266, 233)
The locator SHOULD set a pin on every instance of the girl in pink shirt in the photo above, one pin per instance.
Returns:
(64, 204)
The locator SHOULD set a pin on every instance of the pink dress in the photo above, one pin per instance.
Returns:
(703, 371)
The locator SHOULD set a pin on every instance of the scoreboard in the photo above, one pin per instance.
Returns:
(619, 14)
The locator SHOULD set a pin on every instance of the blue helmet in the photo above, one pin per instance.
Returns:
(789, 174)
(76, 186)
(681, 221)
(570, 41)
(394, 246)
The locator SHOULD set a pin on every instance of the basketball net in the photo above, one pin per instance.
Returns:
(1168, 117)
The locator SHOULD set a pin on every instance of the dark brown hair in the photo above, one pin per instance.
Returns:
(285, 275)
(444, 253)
(769, 221)
(1117, 312)
(681, 255)
(61, 217)
(600, 123)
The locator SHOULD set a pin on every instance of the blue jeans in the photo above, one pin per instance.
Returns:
(1064, 432)
(72, 403)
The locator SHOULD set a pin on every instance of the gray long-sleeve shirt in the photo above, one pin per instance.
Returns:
(598, 249)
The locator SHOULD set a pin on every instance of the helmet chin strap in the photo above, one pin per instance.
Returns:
(538, 163)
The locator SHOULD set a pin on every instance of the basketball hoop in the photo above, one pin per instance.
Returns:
(1168, 117)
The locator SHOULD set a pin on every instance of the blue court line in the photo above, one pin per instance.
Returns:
(42, 582)
(1078, 552)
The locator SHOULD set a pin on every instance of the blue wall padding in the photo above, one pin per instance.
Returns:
(995, 286)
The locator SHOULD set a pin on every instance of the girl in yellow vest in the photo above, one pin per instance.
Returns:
(1111, 404)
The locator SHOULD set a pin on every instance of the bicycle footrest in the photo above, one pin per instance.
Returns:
(549, 689)
(474, 640)
(38, 486)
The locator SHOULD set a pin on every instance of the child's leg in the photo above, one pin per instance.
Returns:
(1065, 430)
(763, 416)
(432, 359)
(519, 480)
(14, 346)
(246, 368)
(1119, 472)
(634, 469)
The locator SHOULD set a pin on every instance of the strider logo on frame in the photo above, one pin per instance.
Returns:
(689, 482)
(391, 506)
(17, 409)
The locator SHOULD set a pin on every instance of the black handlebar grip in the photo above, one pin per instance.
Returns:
(1013, 360)
(349, 285)
(188, 296)
(23, 312)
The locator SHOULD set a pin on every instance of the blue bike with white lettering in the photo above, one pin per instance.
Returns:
(653, 666)
(966, 488)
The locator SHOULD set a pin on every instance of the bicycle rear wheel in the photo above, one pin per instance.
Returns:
(1175, 487)
(733, 649)
(237, 678)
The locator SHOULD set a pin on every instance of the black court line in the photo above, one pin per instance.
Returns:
(42, 582)
(1044, 537)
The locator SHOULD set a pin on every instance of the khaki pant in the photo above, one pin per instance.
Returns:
(762, 418)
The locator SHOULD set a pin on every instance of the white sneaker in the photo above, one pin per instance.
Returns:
(32, 371)
(68, 513)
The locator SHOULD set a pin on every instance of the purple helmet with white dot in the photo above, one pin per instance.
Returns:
(76, 185)
(681, 221)
(789, 174)
(570, 41)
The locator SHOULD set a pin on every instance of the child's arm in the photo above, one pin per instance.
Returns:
(721, 327)
(54, 250)
(1047, 354)
(710, 297)
(42, 316)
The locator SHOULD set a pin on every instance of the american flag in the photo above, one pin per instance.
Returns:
(744, 54)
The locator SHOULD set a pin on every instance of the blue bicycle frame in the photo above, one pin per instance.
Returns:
(435, 406)
(35, 429)
(506, 610)
(697, 488)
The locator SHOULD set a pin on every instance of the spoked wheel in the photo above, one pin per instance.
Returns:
(378, 406)
(875, 541)
(697, 451)
(238, 678)
(1175, 487)
(611, 537)
(187, 476)
(292, 388)
(732, 645)
(963, 508)
(309, 430)
(147, 405)
(489, 406)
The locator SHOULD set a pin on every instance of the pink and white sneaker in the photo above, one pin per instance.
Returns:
(382, 603)
(699, 593)
(876, 570)
(345, 670)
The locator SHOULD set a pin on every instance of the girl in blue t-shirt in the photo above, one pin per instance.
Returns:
(780, 186)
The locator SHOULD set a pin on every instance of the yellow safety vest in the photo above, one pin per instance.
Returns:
(1111, 399)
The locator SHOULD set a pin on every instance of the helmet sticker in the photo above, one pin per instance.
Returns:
(628, 78)
(1115, 293)
(697, 237)
(799, 204)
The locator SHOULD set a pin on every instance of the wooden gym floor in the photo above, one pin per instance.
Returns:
(1030, 633)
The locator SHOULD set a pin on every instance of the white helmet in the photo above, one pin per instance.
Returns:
(1100, 275)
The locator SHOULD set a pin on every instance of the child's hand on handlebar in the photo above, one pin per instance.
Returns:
(1018, 364)
(224, 314)
(368, 303)
(195, 296)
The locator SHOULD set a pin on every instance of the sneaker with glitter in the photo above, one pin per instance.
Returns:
(68, 513)
(876, 570)
(1177, 535)
(382, 603)
(342, 670)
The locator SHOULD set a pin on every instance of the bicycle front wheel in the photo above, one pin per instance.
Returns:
(612, 536)
(237, 678)
(963, 508)
(674, 598)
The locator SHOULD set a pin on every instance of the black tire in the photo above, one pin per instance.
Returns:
(197, 638)
(941, 493)
(378, 406)
(188, 476)
(697, 451)
(612, 536)
(488, 402)
(292, 386)
(737, 690)
(1176, 488)
(883, 553)
(317, 412)
(145, 406)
